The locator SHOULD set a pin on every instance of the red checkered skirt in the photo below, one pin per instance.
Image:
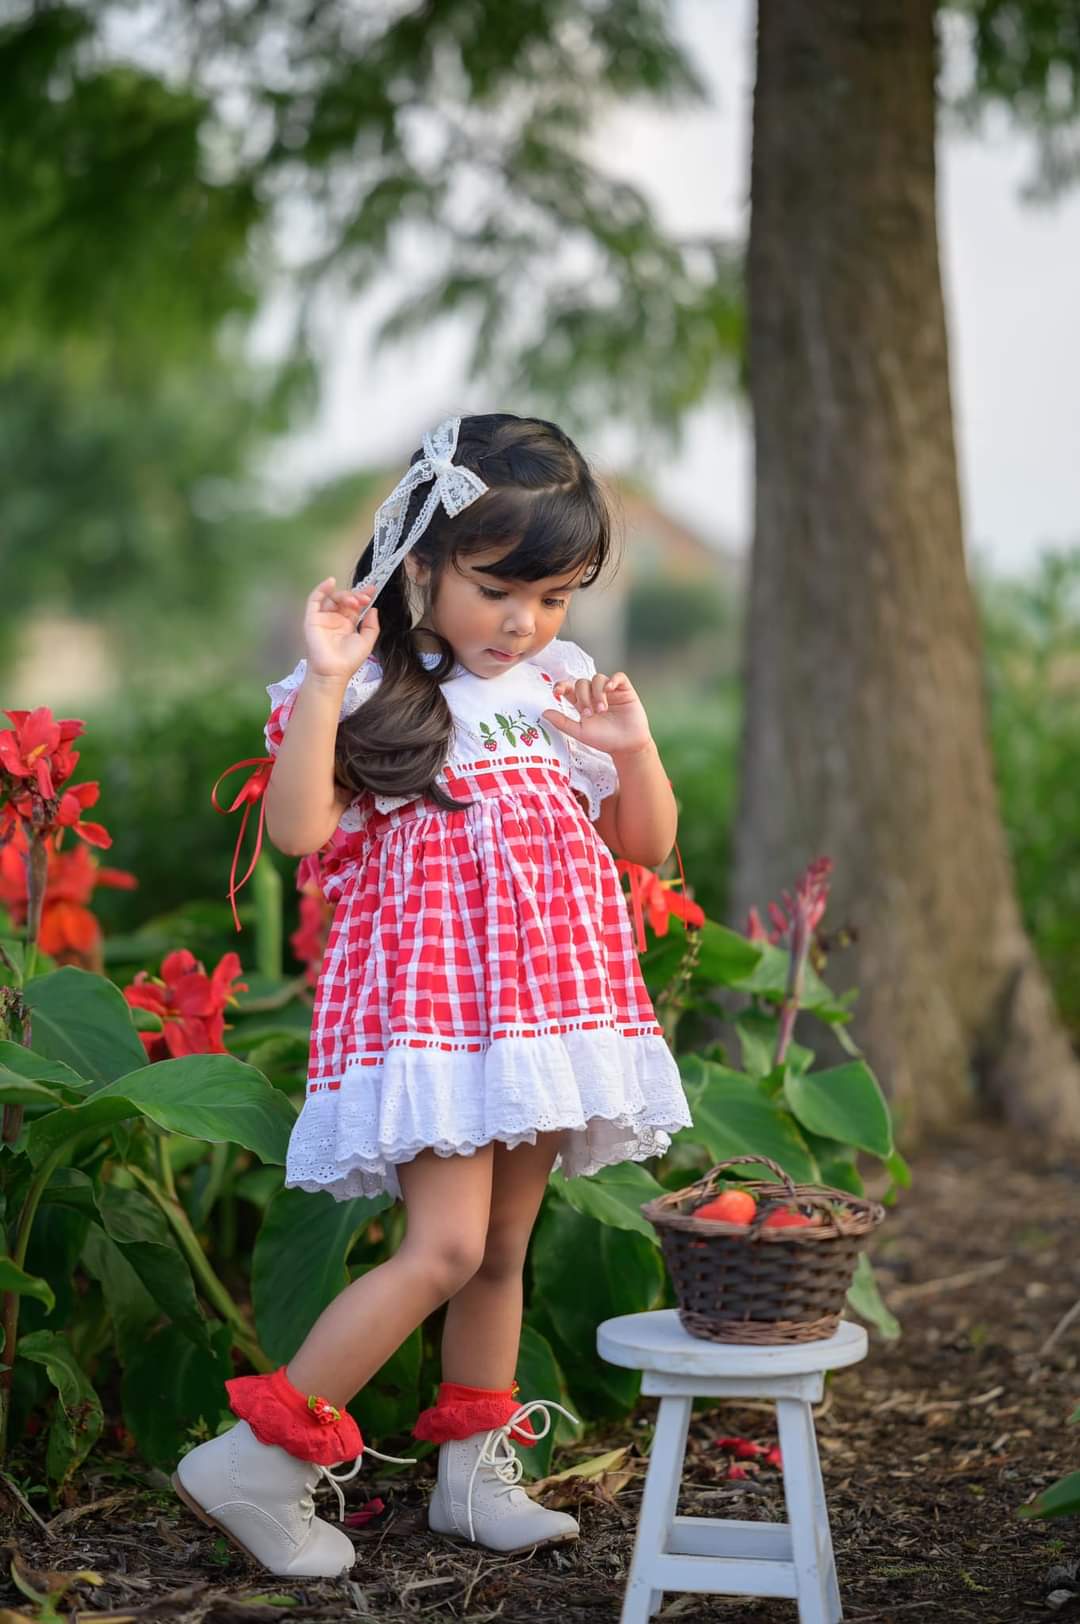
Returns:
(480, 983)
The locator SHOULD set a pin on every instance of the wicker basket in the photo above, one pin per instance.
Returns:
(744, 1283)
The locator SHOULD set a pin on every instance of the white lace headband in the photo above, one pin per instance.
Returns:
(455, 487)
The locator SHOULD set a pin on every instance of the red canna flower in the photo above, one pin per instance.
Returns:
(656, 900)
(736, 1472)
(308, 940)
(803, 912)
(37, 748)
(69, 932)
(191, 1004)
(36, 762)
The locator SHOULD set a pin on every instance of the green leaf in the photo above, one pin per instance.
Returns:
(584, 1272)
(836, 1164)
(214, 1097)
(130, 1306)
(769, 979)
(843, 1103)
(539, 1376)
(732, 1118)
(84, 1021)
(298, 1265)
(12, 1278)
(614, 1196)
(865, 1299)
(1061, 1499)
(171, 1385)
(77, 1420)
(725, 957)
(389, 1403)
(140, 1229)
(48, 1133)
(20, 1066)
(898, 1170)
(757, 1041)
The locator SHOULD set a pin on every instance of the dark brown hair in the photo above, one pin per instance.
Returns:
(544, 502)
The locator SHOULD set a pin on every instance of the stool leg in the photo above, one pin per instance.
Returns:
(808, 1515)
(658, 1505)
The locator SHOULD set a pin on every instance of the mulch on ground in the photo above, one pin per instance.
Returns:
(928, 1447)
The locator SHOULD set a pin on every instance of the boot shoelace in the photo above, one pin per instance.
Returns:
(324, 1473)
(497, 1454)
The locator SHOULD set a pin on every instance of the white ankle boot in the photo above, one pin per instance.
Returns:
(477, 1497)
(261, 1498)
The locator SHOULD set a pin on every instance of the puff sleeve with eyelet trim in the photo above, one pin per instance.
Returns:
(591, 771)
(359, 688)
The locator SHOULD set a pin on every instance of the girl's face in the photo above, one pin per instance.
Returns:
(492, 624)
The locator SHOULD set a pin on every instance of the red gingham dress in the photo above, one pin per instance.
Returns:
(480, 980)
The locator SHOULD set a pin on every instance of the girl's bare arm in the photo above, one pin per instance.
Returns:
(303, 803)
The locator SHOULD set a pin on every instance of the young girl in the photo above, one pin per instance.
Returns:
(480, 1016)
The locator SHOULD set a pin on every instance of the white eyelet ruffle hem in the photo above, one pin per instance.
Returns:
(615, 1099)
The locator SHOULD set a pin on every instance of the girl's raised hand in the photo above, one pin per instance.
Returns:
(335, 648)
(611, 716)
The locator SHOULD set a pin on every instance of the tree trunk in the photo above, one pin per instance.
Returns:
(866, 734)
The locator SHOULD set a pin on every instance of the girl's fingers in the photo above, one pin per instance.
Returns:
(599, 685)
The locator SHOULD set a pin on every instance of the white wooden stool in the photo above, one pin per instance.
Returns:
(721, 1555)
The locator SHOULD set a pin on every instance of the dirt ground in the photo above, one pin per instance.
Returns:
(928, 1447)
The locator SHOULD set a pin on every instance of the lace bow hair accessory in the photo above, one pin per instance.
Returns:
(454, 486)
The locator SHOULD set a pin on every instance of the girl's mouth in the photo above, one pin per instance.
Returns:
(500, 654)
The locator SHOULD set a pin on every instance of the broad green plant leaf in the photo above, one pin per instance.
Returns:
(12, 1278)
(298, 1265)
(171, 1385)
(725, 958)
(22, 1069)
(864, 1297)
(614, 1196)
(130, 1306)
(77, 1419)
(584, 1272)
(843, 1103)
(1061, 1499)
(732, 1118)
(387, 1405)
(539, 1376)
(85, 1021)
(214, 1097)
(142, 1233)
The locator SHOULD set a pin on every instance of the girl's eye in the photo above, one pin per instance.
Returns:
(495, 592)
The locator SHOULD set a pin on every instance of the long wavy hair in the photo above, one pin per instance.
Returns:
(544, 502)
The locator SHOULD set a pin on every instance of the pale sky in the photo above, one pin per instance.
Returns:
(1011, 275)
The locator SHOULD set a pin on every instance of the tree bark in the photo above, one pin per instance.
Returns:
(865, 734)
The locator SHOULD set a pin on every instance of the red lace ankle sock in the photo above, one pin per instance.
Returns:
(305, 1425)
(460, 1411)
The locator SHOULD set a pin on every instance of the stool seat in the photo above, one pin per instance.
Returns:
(727, 1556)
(657, 1341)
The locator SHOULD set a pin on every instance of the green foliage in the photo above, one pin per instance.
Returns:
(699, 746)
(1031, 633)
(1026, 56)
(107, 190)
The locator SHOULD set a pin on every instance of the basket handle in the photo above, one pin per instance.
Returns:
(765, 1161)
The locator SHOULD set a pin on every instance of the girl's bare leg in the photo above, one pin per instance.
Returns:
(483, 1318)
(356, 1333)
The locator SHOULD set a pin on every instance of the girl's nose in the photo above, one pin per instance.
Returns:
(519, 624)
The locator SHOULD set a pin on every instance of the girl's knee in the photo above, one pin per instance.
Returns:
(504, 1253)
(449, 1260)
